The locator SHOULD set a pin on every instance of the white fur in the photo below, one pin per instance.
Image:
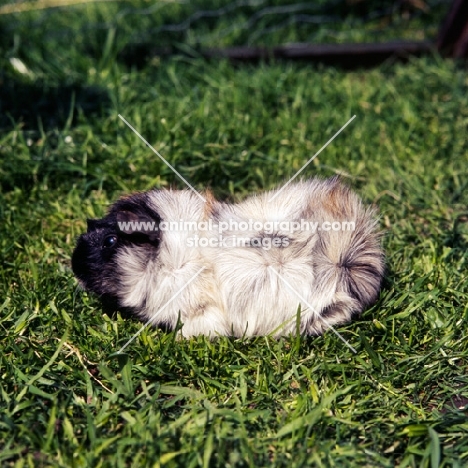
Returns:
(247, 290)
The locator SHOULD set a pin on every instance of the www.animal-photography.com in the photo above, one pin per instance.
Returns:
(233, 233)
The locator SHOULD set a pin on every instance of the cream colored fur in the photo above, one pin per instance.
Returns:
(326, 277)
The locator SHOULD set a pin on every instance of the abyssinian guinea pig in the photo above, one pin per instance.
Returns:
(297, 259)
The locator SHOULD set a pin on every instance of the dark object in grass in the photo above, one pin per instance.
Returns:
(348, 56)
(297, 259)
(453, 34)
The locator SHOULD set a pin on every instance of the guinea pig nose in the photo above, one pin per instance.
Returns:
(79, 260)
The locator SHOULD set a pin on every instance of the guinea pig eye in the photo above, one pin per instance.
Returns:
(109, 241)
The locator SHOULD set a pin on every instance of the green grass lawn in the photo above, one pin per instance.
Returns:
(67, 400)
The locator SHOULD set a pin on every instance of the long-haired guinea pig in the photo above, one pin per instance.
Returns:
(298, 259)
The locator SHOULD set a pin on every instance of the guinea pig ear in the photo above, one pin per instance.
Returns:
(138, 225)
(91, 224)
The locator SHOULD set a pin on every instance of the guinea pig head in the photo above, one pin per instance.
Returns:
(130, 225)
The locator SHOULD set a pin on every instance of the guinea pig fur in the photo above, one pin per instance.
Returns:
(267, 271)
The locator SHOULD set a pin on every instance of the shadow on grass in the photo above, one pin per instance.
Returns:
(48, 106)
(457, 238)
(38, 110)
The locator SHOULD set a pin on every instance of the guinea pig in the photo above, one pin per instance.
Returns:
(298, 259)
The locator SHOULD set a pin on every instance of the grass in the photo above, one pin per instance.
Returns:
(67, 400)
(202, 23)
